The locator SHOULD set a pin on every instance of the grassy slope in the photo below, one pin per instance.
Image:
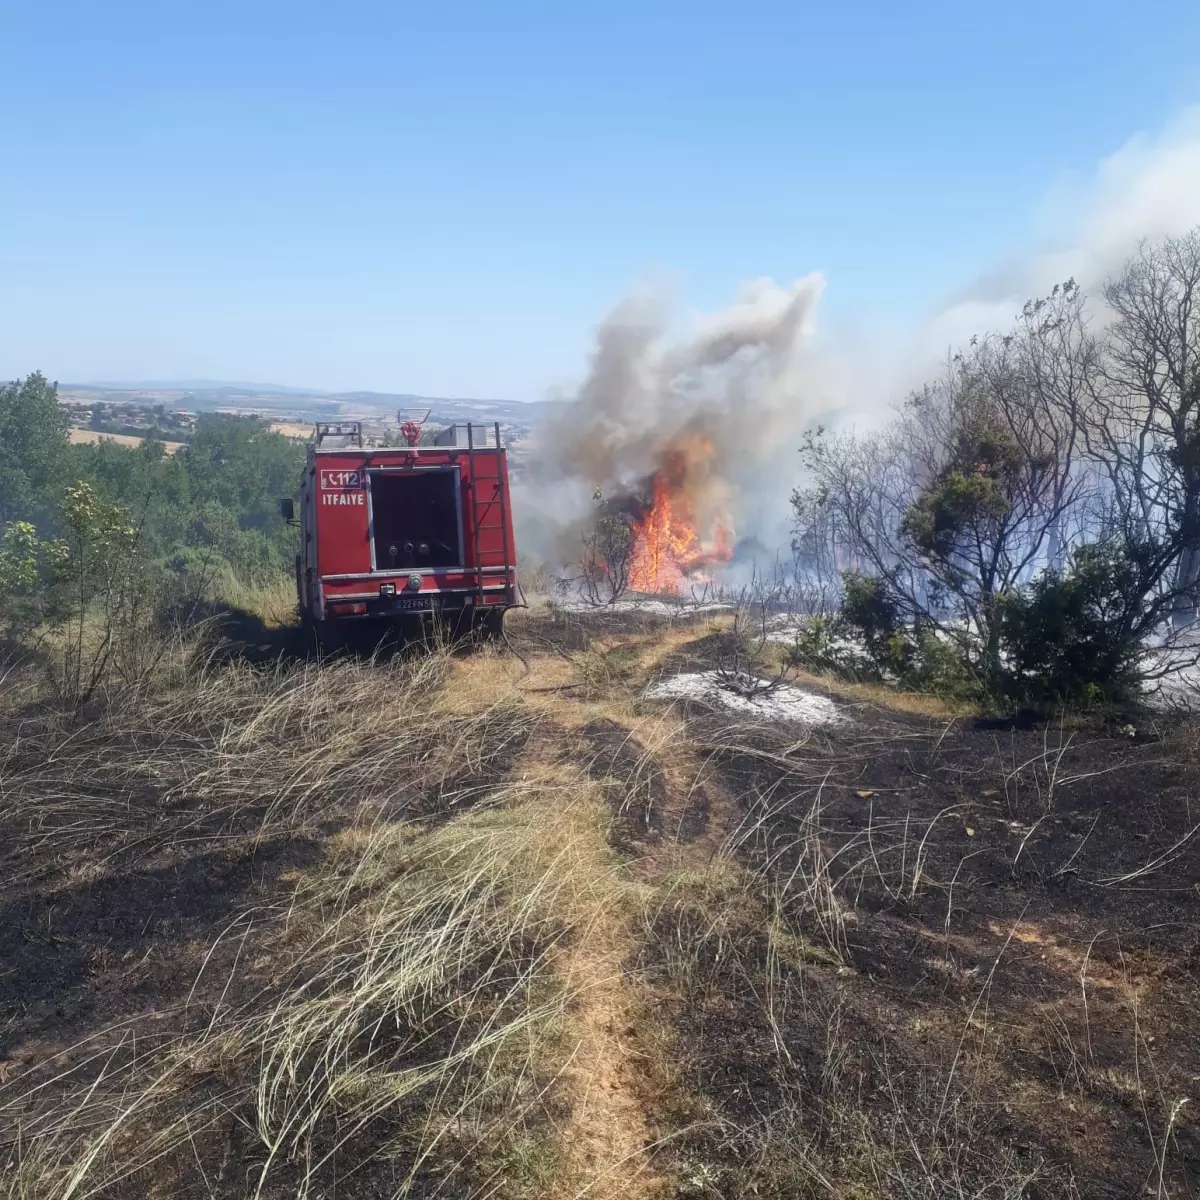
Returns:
(436, 926)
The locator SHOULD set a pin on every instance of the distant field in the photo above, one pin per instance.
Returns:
(293, 429)
(88, 437)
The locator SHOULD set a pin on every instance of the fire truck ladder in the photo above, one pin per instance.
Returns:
(496, 500)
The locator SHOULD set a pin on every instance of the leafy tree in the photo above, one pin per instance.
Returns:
(871, 609)
(104, 580)
(33, 450)
(220, 494)
(973, 485)
(30, 573)
(1044, 492)
(963, 524)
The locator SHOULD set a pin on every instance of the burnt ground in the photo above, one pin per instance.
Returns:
(98, 930)
(940, 960)
(148, 867)
(964, 960)
(122, 877)
(991, 939)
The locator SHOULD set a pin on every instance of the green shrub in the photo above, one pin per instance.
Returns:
(960, 501)
(871, 610)
(1068, 636)
(909, 653)
(198, 562)
(939, 665)
(814, 648)
(30, 573)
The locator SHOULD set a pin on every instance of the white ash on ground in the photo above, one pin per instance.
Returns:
(784, 629)
(782, 703)
(1172, 667)
(644, 605)
(787, 630)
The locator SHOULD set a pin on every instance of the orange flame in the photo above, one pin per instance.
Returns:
(667, 547)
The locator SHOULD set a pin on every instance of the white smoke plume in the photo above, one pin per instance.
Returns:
(720, 403)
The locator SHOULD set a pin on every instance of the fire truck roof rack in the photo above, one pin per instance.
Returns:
(346, 430)
(469, 436)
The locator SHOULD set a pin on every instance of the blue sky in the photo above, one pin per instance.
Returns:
(445, 198)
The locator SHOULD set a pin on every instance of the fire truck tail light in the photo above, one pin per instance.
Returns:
(354, 609)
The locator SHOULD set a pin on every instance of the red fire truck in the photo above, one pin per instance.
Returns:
(399, 533)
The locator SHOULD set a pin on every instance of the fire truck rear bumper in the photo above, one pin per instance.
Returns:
(373, 606)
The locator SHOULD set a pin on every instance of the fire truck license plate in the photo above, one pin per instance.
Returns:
(416, 602)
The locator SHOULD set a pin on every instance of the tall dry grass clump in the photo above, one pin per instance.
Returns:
(414, 1031)
(223, 749)
(389, 1014)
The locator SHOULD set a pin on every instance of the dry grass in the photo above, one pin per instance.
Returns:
(233, 749)
(825, 1104)
(417, 1027)
(405, 979)
(870, 1032)
(880, 695)
(91, 437)
(444, 925)
(427, 1000)
(273, 603)
(298, 430)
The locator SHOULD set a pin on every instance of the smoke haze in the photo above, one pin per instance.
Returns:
(1086, 229)
(734, 395)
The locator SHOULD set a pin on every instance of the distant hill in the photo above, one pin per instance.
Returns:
(193, 385)
(208, 395)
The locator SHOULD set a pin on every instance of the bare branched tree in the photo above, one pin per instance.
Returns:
(974, 485)
(814, 574)
(1144, 427)
(742, 660)
(608, 546)
(1030, 450)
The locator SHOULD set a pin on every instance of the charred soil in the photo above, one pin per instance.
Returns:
(448, 924)
(974, 960)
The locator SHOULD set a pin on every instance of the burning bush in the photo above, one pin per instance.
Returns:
(648, 541)
(667, 546)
